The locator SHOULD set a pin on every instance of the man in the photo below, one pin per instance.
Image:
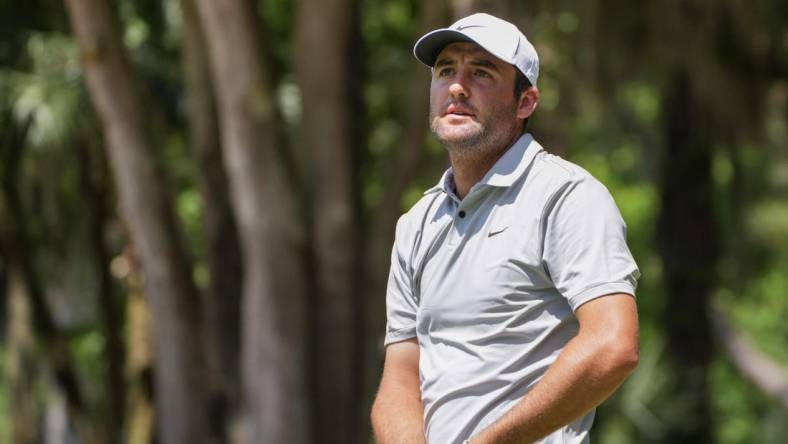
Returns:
(510, 301)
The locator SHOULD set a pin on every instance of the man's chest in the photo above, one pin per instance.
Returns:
(487, 259)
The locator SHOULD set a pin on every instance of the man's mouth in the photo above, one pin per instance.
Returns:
(456, 110)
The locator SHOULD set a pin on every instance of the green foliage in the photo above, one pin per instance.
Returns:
(87, 347)
(602, 94)
(762, 309)
(741, 413)
(768, 224)
(642, 99)
(48, 93)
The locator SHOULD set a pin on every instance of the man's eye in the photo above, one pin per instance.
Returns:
(480, 73)
(445, 72)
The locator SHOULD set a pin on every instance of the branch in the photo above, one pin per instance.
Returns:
(769, 376)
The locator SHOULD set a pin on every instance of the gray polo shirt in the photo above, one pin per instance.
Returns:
(489, 284)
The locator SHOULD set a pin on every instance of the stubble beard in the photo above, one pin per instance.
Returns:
(491, 136)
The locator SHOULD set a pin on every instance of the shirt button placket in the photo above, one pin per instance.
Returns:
(457, 228)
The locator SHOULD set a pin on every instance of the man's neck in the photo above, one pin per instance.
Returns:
(470, 167)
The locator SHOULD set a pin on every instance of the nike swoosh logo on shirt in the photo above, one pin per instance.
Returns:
(493, 233)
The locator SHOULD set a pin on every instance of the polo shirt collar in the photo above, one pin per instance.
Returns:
(504, 172)
(445, 184)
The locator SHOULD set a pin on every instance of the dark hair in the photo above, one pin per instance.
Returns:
(521, 83)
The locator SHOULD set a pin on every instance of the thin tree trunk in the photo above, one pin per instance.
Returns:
(404, 168)
(325, 69)
(93, 183)
(21, 368)
(688, 245)
(147, 208)
(271, 229)
(17, 248)
(139, 424)
(222, 298)
(462, 8)
(767, 374)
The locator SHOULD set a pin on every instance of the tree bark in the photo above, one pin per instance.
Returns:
(222, 298)
(139, 424)
(271, 228)
(327, 71)
(688, 243)
(404, 168)
(147, 209)
(16, 246)
(93, 183)
(21, 368)
(462, 8)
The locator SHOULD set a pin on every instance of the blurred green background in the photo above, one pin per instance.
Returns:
(679, 107)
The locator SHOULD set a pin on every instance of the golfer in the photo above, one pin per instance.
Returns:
(510, 302)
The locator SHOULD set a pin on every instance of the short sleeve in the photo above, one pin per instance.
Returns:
(401, 305)
(585, 250)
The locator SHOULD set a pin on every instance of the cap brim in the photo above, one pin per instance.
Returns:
(431, 44)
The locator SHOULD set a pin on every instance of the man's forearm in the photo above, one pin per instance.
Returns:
(397, 416)
(587, 371)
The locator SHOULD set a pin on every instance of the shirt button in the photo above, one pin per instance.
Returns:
(461, 214)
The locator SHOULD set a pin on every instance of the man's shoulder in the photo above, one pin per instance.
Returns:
(557, 168)
(410, 222)
(556, 173)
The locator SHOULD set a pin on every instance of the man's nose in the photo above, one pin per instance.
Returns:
(458, 88)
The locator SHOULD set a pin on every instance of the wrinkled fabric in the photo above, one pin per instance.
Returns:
(489, 284)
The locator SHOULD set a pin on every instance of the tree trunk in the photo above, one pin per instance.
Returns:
(271, 229)
(93, 183)
(463, 8)
(688, 245)
(147, 209)
(405, 166)
(16, 246)
(139, 423)
(222, 298)
(21, 368)
(327, 69)
(764, 372)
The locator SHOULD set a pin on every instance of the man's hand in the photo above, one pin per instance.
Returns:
(589, 369)
(398, 413)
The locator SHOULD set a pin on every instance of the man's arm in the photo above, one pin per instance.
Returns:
(398, 413)
(586, 372)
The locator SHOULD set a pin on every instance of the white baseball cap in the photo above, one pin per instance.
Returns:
(498, 37)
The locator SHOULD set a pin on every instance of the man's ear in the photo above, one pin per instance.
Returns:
(527, 102)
